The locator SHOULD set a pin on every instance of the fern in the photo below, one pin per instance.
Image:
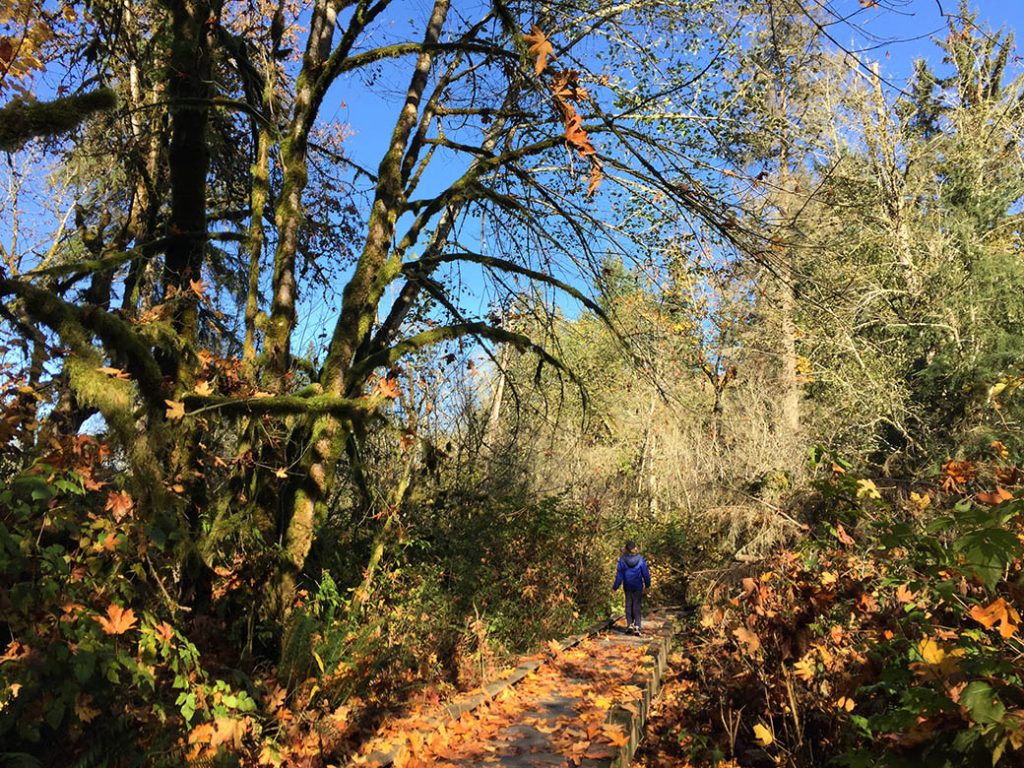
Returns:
(296, 656)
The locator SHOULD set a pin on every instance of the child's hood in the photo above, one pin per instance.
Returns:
(632, 561)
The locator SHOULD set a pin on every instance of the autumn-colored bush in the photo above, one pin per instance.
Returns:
(889, 636)
(92, 672)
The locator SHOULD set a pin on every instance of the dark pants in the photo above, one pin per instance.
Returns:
(633, 607)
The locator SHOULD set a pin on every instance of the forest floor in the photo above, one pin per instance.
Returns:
(582, 703)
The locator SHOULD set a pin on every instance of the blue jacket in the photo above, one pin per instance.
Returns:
(633, 575)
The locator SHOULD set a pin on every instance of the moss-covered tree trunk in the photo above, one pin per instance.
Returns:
(254, 242)
(189, 91)
(376, 268)
(310, 88)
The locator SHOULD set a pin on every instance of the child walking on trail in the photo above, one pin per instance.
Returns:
(634, 577)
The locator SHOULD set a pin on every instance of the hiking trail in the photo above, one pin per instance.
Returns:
(581, 704)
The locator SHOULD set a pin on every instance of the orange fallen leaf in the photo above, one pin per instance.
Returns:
(997, 612)
(748, 638)
(175, 410)
(118, 620)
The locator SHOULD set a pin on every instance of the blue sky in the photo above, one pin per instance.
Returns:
(904, 29)
(895, 32)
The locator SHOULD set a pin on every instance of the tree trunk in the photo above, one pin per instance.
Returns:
(375, 269)
(254, 243)
(189, 92)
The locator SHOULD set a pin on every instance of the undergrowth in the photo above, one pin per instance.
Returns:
(888, 635)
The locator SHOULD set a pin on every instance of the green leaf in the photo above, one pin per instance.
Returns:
(981, 701)
(987, 552)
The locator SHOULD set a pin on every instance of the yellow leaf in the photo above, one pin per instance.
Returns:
(203, 389)
(867, 489)
(83, 709)
(930, 651)
(903, 594)
(805, 668)
(845, 703)
(763, 735)
(175, 410)
(319, 662)
(228, 730)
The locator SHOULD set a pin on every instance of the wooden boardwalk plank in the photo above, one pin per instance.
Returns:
(586, 706)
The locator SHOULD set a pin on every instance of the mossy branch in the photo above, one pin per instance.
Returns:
(315, 405)
(22, 120)
(119, 338)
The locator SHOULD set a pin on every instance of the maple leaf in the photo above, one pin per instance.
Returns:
(203, 389)
(866, 489)
(118, 620)
(175, 410)
(903, 594)
(997, 612)
(538, 45)
(920, 502)
(120, 504)
(615, 734)
(958, 473)
(710, 619)
(867, 603)
(198, 287)
(594, 179)
(228, 730)
(84, 710)
(763, 735)
(165, 631)
(748, 638)
(805, 668)
(388, 386)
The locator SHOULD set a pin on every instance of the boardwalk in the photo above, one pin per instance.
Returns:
(583, 705)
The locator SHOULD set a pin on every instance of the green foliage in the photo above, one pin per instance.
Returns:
(80, 662)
